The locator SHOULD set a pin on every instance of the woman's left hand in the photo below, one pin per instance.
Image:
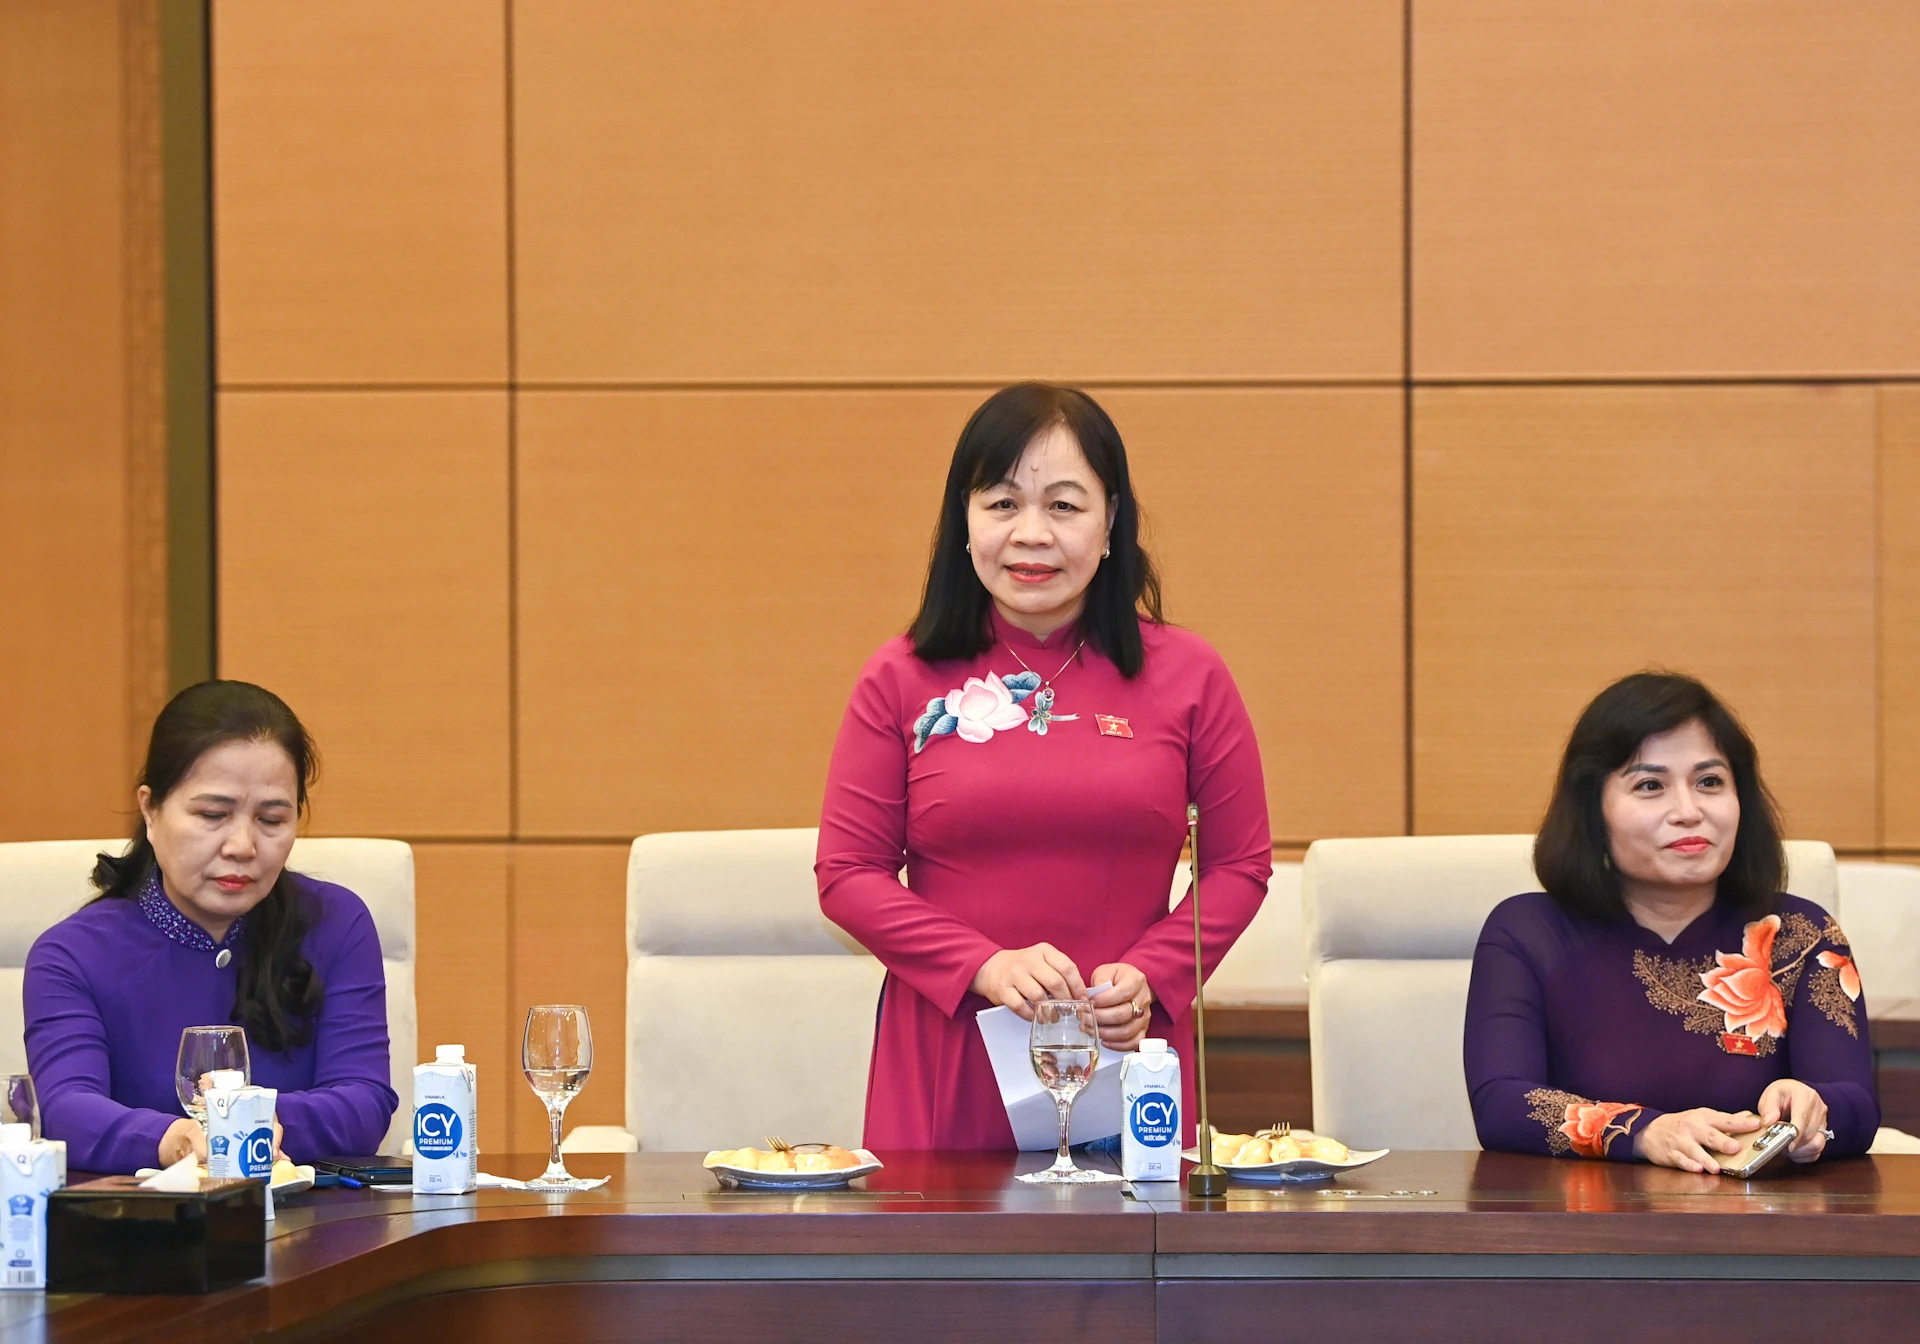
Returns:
(1122, 1010)
(1790, 1099)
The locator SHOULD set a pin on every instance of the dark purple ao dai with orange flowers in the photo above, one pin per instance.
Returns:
(1579, 1034)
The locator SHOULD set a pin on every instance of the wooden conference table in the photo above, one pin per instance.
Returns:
(1429, 1246)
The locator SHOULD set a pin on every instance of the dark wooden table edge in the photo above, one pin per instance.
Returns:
(1173, 1267)
(503, 1245)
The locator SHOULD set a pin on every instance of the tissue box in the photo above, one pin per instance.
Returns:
(109, 1236)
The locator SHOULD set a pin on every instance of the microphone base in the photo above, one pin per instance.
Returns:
(1207, 1182)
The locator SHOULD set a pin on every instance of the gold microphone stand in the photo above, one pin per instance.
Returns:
(1206, 1181)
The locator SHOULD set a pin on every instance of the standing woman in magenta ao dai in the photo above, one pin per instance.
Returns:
(1664, 996)
(1027, 751)
(201, 924)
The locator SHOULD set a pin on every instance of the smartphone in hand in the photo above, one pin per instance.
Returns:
(1762, 1147)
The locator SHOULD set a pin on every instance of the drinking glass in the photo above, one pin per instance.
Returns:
(557, 1055)
(18, 1105)
(202, 1051)
(1065, 1046)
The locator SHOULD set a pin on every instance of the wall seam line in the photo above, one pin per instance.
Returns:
(1406, 407)
(512, 968)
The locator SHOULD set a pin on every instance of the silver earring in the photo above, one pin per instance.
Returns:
(1104, 554)
(969, 548)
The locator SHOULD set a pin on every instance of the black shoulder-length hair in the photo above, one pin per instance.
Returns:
(277, 993)
(1572, 854)
(952, 622)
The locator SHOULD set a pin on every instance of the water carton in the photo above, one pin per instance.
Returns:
(240, 1130)
(30, 1170)
(446, 1124)
(1150, 1113)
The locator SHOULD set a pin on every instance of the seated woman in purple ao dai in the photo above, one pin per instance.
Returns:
(1663, 996)
(201, 923)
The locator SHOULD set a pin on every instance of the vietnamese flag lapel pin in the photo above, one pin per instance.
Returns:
(1113, 726)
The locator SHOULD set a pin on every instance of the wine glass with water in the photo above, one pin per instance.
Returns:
(1065, 1046)
(204, 1050)
(18, 1104)
(556, 1054)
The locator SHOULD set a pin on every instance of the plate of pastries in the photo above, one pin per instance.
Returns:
(289, 1179)
(790, 1166)
(1283, 1153)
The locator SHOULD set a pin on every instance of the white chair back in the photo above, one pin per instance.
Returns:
(1883, 926)
(1268, 964)
(41, 883)
(748, 1012)
(380, 872)
(1390, 927)
(44, 881)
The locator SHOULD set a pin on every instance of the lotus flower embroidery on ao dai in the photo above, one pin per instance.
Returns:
(981, 707)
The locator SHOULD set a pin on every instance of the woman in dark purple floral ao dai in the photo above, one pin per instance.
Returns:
(1663, 998)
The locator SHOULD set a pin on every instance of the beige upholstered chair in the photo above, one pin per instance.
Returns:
(1269, 962)
(1883, 926)
(748, 1012)
(726, 944)
(44, 881)
(1390, 931)
(380, 872)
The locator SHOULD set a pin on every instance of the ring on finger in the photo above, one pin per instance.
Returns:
(1137, 1010)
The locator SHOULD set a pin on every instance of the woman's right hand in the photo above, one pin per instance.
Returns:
(1018, 977)
(183, 1136)
(1688, 1140)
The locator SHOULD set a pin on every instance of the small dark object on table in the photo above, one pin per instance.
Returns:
(364, 1171)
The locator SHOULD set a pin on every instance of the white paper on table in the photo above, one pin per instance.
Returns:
(1030, 1108)
(183, 1177)
(481, 1181)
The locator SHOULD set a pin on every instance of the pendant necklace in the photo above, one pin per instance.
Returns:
(1042, 710)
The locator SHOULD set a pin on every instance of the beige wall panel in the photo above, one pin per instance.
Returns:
(1564, 538)
(617, 487)
(463, 971)
(569, 946)
(701, 578)
(363, 577)
(1900, 615)
(1277, 518)
(863, 190)
(1636, 187)
(360, 190)
(64, 737)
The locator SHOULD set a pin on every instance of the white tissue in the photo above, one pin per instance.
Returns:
(183, 1177)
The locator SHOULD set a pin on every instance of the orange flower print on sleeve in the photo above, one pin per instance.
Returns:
(1586, 1126)
(1576, 1125)
(1834, 985)
(1848, 973)
(1741, 986)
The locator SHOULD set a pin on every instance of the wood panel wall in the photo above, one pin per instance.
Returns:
(588, 371)
(83, 567)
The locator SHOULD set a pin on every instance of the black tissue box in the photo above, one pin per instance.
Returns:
(110, 1236)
